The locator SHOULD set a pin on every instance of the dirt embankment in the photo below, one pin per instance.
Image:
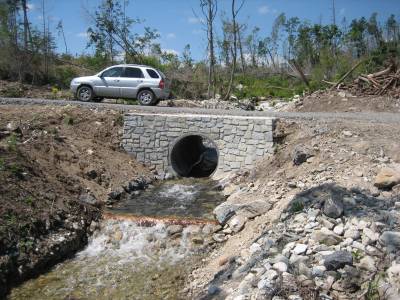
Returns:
(57, 167)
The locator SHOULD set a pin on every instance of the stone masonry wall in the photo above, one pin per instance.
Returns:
(240, 140)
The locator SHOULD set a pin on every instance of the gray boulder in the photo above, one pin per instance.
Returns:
(301, 154)
(391, 239)
(338, 260)
(333, 208)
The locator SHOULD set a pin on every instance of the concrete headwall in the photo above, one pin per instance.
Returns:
(240, 140)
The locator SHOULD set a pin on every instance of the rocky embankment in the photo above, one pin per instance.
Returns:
(318, 220)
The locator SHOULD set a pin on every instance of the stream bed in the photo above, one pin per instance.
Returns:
(125, 260)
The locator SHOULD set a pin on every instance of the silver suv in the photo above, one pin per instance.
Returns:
(143, 83)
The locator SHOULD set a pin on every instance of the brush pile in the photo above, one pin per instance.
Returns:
(385, 82)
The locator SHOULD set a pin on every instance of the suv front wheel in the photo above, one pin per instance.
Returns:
(85, 93)
(146, 97)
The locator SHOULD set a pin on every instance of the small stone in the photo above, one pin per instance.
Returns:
(318, 271)
(237, 222)
(219, 237)
(301, 154)
(347, 133)
(373, 236)
(387, 178)
(352, 233)
(367, 263)
(280, 266)
(271, 274)
(338, 260)
(255, 247)
(118, 235)
(326, 223)
(358, 246)
(300, 249)
(174, 229)
(325, 236)
(339, 229)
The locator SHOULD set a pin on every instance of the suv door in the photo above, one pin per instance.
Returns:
(109, 85)
(131, 78)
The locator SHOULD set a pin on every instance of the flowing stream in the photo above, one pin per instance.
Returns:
(125, 260)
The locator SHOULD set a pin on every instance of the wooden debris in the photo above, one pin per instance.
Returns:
(385, 82)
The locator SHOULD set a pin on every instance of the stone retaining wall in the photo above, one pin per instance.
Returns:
(241, 140)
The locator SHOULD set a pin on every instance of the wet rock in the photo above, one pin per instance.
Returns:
(333, 208)
(387, 178)
(338, 260)
(174, 229)
(391, 239)
(118, 235)
(301, 154)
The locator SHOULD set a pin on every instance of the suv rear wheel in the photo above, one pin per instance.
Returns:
(85, 93)
(146, 97)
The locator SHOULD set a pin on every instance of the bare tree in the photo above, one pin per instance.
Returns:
(60, 28)
(209, 9)
(235, 11)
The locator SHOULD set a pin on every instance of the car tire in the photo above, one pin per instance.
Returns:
(146, 98)
(85, 93)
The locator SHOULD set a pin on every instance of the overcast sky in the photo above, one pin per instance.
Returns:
(178, 25)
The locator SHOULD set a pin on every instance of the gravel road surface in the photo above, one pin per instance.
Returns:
(326, 116)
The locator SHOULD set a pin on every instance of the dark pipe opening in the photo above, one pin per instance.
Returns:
(194, 156)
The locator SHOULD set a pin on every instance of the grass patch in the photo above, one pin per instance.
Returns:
(68, 120)
(297, 207)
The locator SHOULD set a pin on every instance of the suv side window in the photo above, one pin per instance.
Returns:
(152, 73)
(133, 73)
(113, 72)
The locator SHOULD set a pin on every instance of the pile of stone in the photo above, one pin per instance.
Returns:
(330, 243)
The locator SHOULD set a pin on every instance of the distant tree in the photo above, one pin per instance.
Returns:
(112, 34)
(235, 28)
(209, 10)
(187, 57)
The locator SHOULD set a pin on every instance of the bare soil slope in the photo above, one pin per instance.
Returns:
(57, 164)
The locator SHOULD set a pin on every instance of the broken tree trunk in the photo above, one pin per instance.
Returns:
(300, 71)
(347, 74)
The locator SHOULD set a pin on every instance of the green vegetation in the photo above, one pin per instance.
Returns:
(263, 66)
(12, 141)
(297, 206)
(68, 120)
(357, 255)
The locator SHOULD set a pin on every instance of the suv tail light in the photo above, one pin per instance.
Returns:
(161, 85)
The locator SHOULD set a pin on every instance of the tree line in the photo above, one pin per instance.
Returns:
(296, 54)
